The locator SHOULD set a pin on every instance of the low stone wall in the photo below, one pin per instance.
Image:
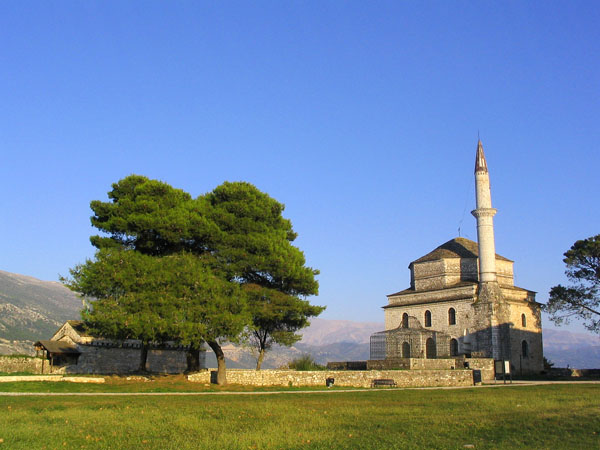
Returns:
(51, 378)
(11, 364)
(486, 365)
(388, 364)
(574, 373)
(429, 364)
(349, 378)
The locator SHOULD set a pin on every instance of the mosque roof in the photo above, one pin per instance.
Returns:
(455, 248)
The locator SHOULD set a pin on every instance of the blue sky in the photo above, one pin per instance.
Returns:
(362, 117)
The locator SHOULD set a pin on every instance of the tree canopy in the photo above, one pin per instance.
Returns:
(582, 298)
(256, 249)
(171, 267)
(276, 318)
(159, 299)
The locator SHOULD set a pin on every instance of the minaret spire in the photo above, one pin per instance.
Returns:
(484, 213)
(480, 163)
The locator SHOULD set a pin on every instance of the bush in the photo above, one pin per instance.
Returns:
(305, 362)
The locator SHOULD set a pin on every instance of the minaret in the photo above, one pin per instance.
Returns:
(491, 312)
(485, 219)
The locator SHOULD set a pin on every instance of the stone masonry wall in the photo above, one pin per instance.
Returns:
(126, 360)
(167, 361)
(531, 333)
(13, 365)
(352, 378)
(486, 365)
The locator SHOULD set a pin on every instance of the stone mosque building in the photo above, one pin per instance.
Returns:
(462, 301)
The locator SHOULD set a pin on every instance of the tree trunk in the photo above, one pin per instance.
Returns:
(193, 359)
(143, 357)
(221, 370)
(261, 357)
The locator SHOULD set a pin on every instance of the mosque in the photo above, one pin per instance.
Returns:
(462, 301)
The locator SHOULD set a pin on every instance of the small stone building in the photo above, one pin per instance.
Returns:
(72, 350)
(462, 301)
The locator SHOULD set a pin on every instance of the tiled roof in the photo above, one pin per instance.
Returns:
(58, 347)
(455, 248)
(78, 326)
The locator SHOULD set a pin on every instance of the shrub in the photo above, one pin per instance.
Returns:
(305, 362)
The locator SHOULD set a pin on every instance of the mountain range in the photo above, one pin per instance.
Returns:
(31, 309)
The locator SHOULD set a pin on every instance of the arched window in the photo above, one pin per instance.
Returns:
(427, 318)
(453, 347)
(524, 349)
(430, 348)
(523, 320)
(405, 320)
(451, 316)
(406, 350)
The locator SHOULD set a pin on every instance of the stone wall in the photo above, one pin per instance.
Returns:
(486, 365)
(388, 364)
(11, 364)
(169, 361)
(350, 378)
(447, 272)
(107, 360)
(429, 364)
(531, 333)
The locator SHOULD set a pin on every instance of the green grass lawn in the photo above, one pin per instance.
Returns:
(552, 416)
(158, 383)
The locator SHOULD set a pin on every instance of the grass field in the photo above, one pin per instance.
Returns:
(116, 384)
(551, 416)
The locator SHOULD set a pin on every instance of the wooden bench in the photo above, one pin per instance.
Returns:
(383, 382)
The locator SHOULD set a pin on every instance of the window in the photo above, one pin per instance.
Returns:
(427, 318)
(405, 320)
(524, 349)
(451, 316)
(523, 320)
(430, 348)
(453, 347)
(406, 350)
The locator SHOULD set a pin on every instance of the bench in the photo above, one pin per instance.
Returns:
(383, 382)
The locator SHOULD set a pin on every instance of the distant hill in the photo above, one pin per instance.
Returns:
(325, 332)
(578, 350)
(342, 340)
(31, 309)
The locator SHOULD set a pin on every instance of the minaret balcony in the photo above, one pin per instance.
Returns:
(484, 212)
